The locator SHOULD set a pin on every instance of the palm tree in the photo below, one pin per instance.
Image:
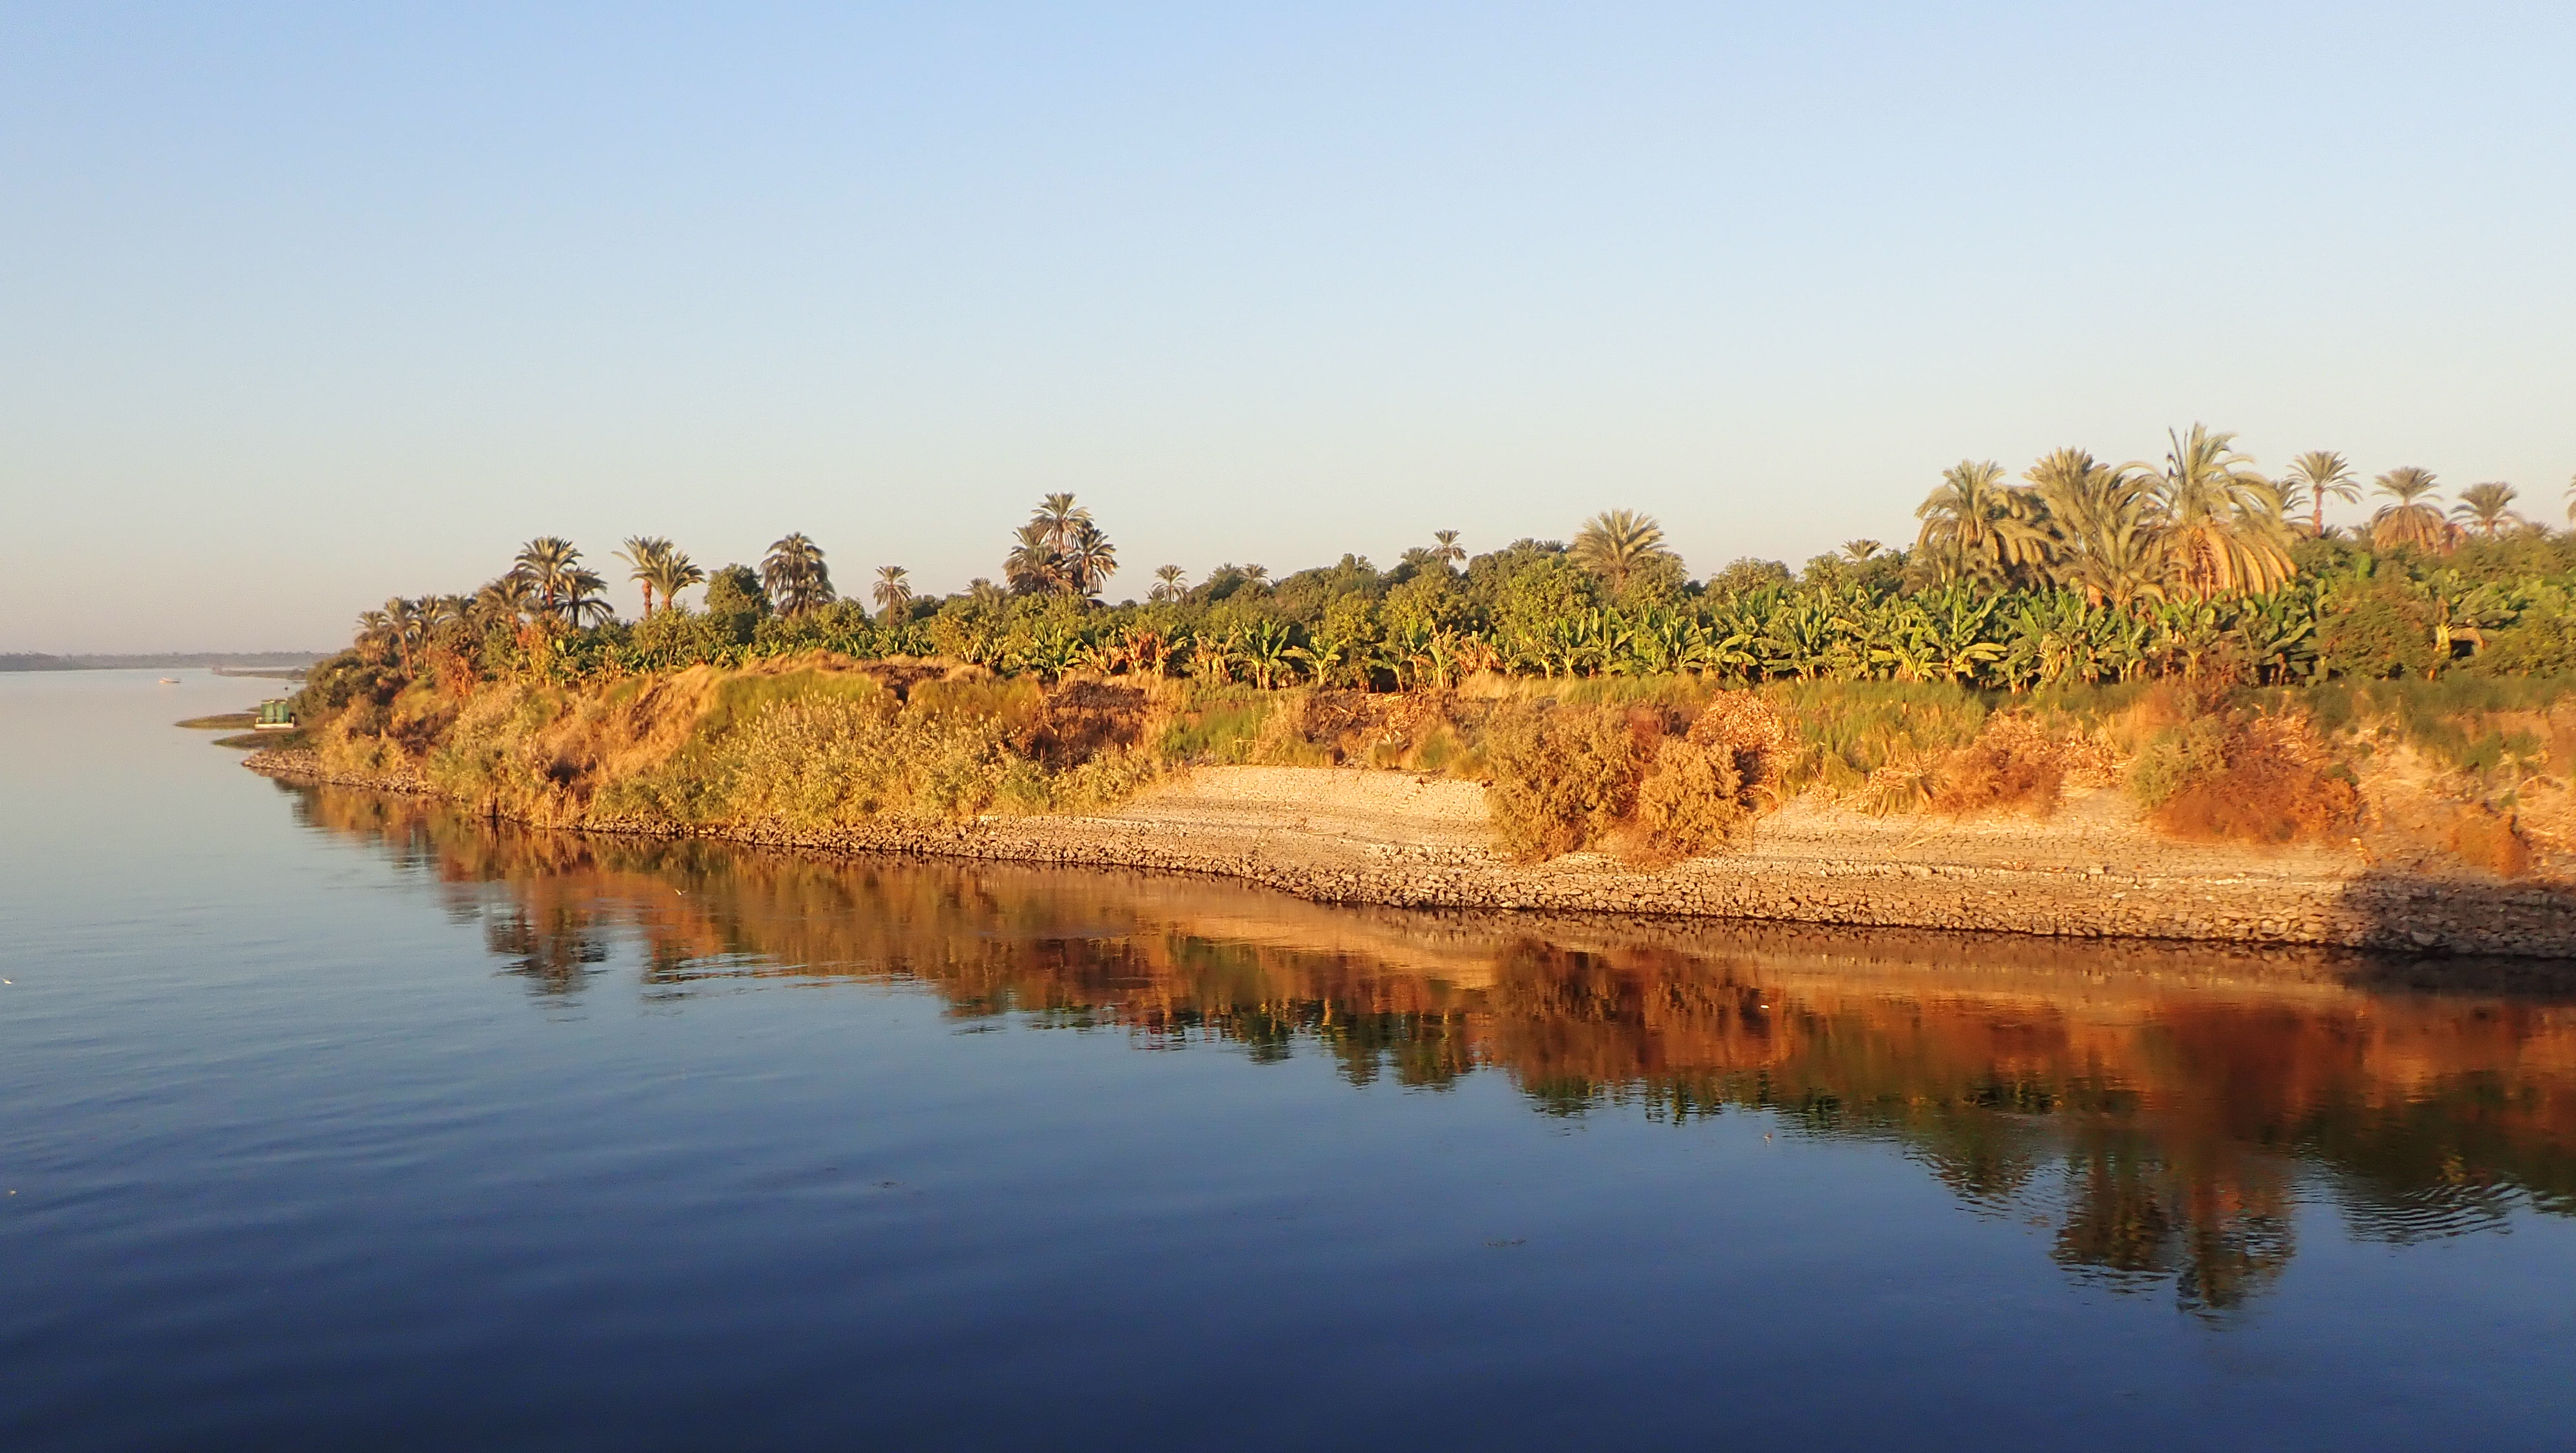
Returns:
(1033, 567)
(795, 576)
(375, 634)
(1449, 552)
(583, 602)
(2223, 533)
(1860, 551)
(407, 625)
(2571, 499)
(2487, 508)
(673, 573)
(2315, 477)
(503, 601)
(2097, 527)
(1089, 558)
(547, 563)
(659, 566)
(2410, 517)
(1168, 584)
(1259, 575)
(1616, 544)
(1062, 519)
(891, 593)
(1060, 551)
(1971, 527)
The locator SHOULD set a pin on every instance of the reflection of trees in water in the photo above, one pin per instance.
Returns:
(2164, 1131)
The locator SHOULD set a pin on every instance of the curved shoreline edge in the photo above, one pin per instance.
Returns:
(2371, 910)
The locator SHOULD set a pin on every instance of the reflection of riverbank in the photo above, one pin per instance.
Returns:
(2163, 1107)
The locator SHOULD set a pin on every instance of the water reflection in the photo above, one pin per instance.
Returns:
(2162, 1109)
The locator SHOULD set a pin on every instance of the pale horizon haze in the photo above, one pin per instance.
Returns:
(302, 307)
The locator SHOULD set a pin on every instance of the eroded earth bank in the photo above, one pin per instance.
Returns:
(2049, 839)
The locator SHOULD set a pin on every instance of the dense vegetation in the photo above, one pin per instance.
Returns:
(2085, 573)
(2198, 626)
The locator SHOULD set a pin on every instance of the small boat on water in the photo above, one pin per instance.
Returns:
(169, 680)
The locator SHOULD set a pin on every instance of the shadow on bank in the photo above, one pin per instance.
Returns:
(2412, 915)
(2163, 1109)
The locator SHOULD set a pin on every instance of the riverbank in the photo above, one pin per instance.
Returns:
(1349, 835)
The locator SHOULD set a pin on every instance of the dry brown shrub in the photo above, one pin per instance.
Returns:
(1752, 735)
(2274, 787)
(1563, 777)
(1691, 800)
(2491, 841)
(1088, 719)
(1376, 729)
(2013, 766)
(1900, 787)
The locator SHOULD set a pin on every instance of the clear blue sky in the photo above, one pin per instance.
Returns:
(305, 306)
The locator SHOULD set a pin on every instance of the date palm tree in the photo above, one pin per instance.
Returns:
(375, 634)
(1450, 553)
(891, 590)
(659, 567)
(1861, 552)
(1972, 527)
(547, 563)
(1033, 567)
(2314, 478)
(503, 601)
(2098, 527)
(1169, 584)
(585, 602)
(1089, 558)
(1616, 544)
(795, 576)
(407, 626)
(1062, 519)
(673, 573)
(2487, 508)
(2223, 533)
(2411, 516)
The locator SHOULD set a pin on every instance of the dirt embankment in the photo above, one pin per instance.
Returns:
(1346, 835)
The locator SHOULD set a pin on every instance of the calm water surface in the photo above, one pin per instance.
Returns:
(333, 1120)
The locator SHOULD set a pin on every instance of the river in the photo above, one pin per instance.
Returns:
(335, 1120)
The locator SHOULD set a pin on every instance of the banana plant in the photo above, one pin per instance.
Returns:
(1956, 622)
(2188, 632)
(2272, 631)
(1799, 638)
(1268, 650)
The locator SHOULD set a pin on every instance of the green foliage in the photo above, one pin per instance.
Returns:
(736, 603)
(826, 760)
(1844, 732)
(2193, 752)
(1220, 726)
(2377, 630)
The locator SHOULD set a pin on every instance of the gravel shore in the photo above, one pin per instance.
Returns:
(1338, 835)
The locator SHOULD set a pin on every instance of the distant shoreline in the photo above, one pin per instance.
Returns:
(227, 663)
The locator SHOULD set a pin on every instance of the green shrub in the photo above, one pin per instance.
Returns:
(2382, 630)
(2192, 752)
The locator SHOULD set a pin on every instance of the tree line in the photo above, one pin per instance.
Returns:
(2082, 572)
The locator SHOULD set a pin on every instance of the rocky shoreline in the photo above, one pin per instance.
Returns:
(2223, 896)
